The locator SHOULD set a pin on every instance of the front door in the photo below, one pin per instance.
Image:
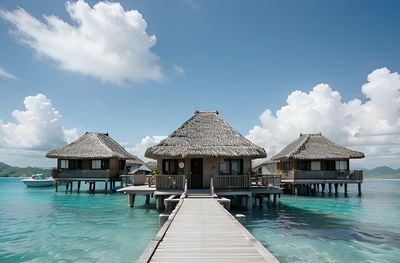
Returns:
(196, 169)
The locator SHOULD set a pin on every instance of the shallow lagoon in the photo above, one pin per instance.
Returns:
(329, 229)
(39, 225)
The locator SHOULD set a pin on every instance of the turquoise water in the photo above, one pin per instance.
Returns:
(39, 225)
(329, 229)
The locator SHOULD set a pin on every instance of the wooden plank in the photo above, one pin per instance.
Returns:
(202, 230)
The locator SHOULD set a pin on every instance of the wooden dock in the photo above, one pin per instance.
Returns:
(201, 230)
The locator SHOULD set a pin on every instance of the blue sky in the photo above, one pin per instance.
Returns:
(238, 57)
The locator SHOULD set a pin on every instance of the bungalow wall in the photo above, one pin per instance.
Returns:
(210, 168)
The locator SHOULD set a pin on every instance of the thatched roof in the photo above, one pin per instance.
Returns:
(134, 161)
(92, 145)
(316, 147)
(205, 135)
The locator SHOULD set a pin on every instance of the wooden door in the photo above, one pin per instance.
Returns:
(196, 169)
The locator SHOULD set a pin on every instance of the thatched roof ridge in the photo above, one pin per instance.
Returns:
(205, 134)
(316, 147)
(92, 145)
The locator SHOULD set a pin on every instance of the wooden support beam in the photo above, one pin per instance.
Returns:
(56, 186)
(274, 200)
(79, 186)
(106, 186)
(345, 190)
(336, 190)
(131, 200)
(147, 199)
(330, 188)
(359, 189)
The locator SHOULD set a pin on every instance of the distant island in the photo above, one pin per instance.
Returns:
(381, 172)
(14, 171)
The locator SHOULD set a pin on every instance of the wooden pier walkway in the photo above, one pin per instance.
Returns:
(201, 230)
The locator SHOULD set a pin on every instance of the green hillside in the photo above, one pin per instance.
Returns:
(382, 172)
(13, 171)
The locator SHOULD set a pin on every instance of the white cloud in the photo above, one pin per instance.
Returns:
(372, 126)
(38, 127)
(5, 74)
(140, 148)
(178, 69)
(107, 42)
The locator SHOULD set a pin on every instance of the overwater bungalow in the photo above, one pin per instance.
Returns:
(94, 157)
(312, 160)
(206, 147)
(207, 154)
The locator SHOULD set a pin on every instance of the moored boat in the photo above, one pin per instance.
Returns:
(38, 180)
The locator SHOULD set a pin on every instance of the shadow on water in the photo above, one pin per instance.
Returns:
(295, 221)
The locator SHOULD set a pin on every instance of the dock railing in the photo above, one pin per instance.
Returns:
(259, 180)
(356, 175)
(87, 173)
(231, 181)
(170, 181)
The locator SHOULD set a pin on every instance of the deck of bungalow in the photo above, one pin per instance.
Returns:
(308, 182)
(249, 189)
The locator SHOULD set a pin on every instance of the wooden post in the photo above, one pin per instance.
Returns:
(56, 186)
(79, 186)
(274, 200)
(336, 191)
(160, 203)
(131, 200)
(66, 186)
(345, 190)
(261, 200)
(147, 199)
(106, 186)
(244, 202)
(322, 188)
(72, 183)
(249, 200)
(359, 189)
(330, 188)
(94, 186)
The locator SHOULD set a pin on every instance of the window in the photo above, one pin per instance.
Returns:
(224, 167)
(74, 164)
(341, 165)
(96, 164)
(286, 166)
(231, 167)
(305, 165)
(316, 166)
(171, 167)
(64, 164)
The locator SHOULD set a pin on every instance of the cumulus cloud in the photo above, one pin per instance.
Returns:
(371, 125)
(107, 42)
(5, 74)
(38, 127)
(140, 148)
(178, 69)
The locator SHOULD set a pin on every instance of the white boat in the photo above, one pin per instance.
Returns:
(38, 180)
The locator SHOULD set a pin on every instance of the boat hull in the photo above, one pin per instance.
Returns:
(38, 183)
